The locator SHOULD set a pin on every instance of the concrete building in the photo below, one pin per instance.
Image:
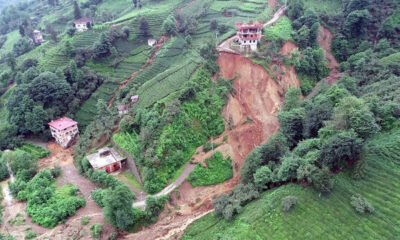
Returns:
(64, 131)
(83, 24)
(123, 109)
(37, 37)
(106, 159)
(248, 35)
(151, 42)
(135, 99)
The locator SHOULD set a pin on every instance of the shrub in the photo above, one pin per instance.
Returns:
(56, 171)
(361, 204)
(95, 230)
(98, 196)
(209, 146)
(288, 203)
(30, 234)
(85, 220)
(218, 170)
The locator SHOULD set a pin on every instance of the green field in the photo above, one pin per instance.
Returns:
(322, 217)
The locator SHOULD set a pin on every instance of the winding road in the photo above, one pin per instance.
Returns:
(167, 190)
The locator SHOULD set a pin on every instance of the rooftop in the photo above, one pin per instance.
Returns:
(83, 20)
(103, 157)
(255, 24)
(62, 123)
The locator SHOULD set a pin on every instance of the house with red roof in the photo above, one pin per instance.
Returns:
(64, 131)
(249, 34)
(83, 24)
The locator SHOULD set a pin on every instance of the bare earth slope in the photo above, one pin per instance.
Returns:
(258, 98)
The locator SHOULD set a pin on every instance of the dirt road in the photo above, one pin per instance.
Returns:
(225, 45)
(167, 190)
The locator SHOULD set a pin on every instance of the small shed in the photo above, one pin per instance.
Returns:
(135, 99)
(151, 42)
(37, 37)
(123, 109)
(83, 24)
(107, 159)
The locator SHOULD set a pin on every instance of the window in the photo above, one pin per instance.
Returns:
(245, 41)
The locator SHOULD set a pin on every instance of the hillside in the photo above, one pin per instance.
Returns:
(316, 216)
(195, 119)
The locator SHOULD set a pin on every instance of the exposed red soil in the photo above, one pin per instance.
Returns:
(287, 48)
(272, 3)
(325, 41)
(258, 98)
(157, 47)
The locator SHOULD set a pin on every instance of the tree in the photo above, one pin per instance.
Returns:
(21, 161)
(288, 169)
(262, 177)
(102, 47)
(295, 9)
(21, 46)
(321, 110)
(8, 136)
(50, 90)
(291, 125)
(135, 2)
(68, 49)
(118, 206)
(36, 120)
(353, 113)
(213, 24)
(126, 30)
(356, 23)
(292, 99)
(169, 25)
(11, 61)
(144, 27)
(77, 11)
(341, 148)
(50, 30)
(71, 31)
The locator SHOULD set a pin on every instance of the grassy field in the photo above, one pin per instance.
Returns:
(322, 217)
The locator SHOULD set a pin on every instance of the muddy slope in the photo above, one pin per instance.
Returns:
(251, 112)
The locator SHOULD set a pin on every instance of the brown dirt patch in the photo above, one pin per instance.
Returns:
(252, 112)
(287, 48)
(325, 42)
(272, 3)
(58, 157)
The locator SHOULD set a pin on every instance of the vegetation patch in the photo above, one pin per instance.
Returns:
(282, 30)
(219, 169)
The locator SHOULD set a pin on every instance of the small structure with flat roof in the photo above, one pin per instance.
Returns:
(123, 109)
(135, 99)
(107, 159)
(64, 131)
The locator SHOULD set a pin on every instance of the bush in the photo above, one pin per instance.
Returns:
(218, 170)
(95, 230)
(361, 204)
(30, 234)
(209, 146)
(85, 220)
(288, 203)
(98, 196)
(56, 171)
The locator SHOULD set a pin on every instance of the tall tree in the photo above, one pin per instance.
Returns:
(144, 27)
(77, 11)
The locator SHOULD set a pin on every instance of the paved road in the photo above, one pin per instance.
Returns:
(225, 45)
(185, 173)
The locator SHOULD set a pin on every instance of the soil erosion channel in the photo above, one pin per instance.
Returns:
(252, 112)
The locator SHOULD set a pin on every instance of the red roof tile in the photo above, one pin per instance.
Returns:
(83, 20)
(62, 123)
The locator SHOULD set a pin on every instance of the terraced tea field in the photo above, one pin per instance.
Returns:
(322, 217)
